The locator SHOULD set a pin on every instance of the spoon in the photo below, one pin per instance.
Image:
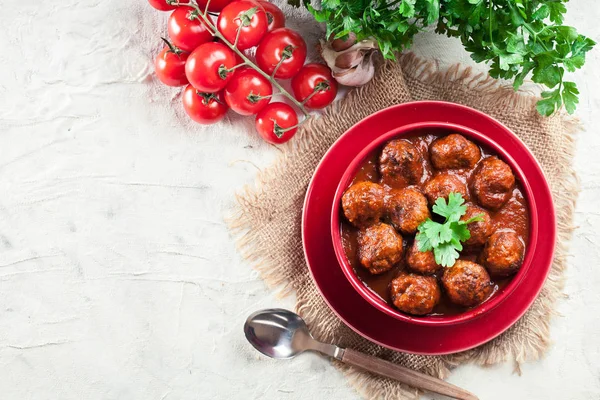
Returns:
(280, 333)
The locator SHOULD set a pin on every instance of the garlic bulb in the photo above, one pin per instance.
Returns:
(351, 64)
(342, 44)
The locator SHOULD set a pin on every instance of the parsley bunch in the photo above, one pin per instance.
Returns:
(517, 38)
(445, 239)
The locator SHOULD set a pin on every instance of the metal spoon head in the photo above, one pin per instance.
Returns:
(277, 333)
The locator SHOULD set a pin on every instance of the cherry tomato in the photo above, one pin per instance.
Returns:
(205, 108)
(161, 5)
(281, 44)
(214, 5)
(249, 17)
(314, 78)
(186, 30)
(275, 16)
(207, 67)
(273, 122)
(238, 59)
(170, 66)
(248, 92)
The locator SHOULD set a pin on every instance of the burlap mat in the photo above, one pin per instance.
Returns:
(267, 218)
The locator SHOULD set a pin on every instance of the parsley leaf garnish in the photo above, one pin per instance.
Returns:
(452, 210)
(446, 239)
(446, 254)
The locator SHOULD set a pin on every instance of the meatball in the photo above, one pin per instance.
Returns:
(401, 164)
(503, 253)
(492, 183)
(442, 185)
(415, 294)
(421, 262)
(480, 230)
(406, 209)
(363, 203)
(454, 152)
(379, 248)
(466, 283)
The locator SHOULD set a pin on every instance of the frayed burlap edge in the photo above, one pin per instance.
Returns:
(565, 191)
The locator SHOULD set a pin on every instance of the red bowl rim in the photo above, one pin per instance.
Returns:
(371, 296)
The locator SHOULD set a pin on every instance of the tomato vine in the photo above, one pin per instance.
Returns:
(204, 15)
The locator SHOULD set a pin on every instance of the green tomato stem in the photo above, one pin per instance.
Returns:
(237, 37)
(172, 48)
(255, 98)
(279, 131)
(236, 67)
(287, 53)
(320, 87)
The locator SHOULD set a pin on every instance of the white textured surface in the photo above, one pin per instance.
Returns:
(118, 278)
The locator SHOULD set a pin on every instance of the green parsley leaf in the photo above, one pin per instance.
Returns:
(516, 44)
(330, 3)
(569, 96)
(432, 8)
(574, 63)
(407, 8)
(568, 33)
(507, 59)
(445, 238)
(460, 230)
(550, 102)
(517, 15)
(527, 67)
(547, 72)
(446, 254)
(452, 210)
(423, 242)
(436, 233)
(541, 13)
(557, 10)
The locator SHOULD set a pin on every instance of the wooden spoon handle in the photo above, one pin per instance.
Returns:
(404, 375)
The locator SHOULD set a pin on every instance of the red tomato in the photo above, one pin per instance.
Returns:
(186, 30)
(214, 5)
(205, 108)
(170, 66)
(275, 16)
(207, 67)
(238, 59)
(246, 91)
(247, 16)
(281, 44)
(314, 78)
(161, 5)
(274, 122)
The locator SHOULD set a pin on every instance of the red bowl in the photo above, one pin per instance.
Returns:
(432, 127)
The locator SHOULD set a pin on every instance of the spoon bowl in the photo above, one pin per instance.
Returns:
(277, 333)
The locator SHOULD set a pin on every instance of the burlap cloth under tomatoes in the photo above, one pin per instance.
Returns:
(267, 218)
